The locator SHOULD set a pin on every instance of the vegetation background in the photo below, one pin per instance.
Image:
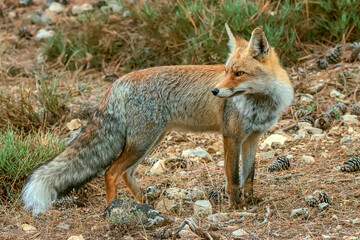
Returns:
(45, 83)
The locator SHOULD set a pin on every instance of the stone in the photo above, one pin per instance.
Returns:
(334, 130)
(302, 133)
(159, 167)
(63, 226)
(153, 192)
(80, 9)
(356, 221)
(323, 206)
(220, 163)
(239, 233)
(273, 141)
(56, 7)
(314, 130)
(349, 120)
(197, 152)
(186, 234)
(327, 237)
(28, 228)
(43, 34)
(39, 18)
(202, 208)
(129, 212)
(115, 6)
(77, 237)
(304, 125)
(218, 217)
(336, 94)
(347, 140)
(317, 137)
(270, 154)
(306, 98)
(166, 205)
(308, 159)
(74, 124)
(175, 193)
(316, 88)
(300, 212)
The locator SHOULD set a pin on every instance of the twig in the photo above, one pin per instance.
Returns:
(267, 215)
(289, 127)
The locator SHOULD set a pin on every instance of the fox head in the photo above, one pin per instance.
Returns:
(252, 65)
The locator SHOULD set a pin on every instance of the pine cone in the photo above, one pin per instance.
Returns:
(215, 196)
(344, 73)
(301, 113)
(24, 33)
(322, 197)
(334, 55)
(336, 110)
(355, 45)
(308, 119)
(281, 163)
(355, 109)
(322, 63)
(351, 165)
(302, 72)
(323, 122)
(311, 201)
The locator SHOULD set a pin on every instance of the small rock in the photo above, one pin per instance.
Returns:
(334, 131)
(197, 152)
(304, 125)
(239, 233)
(202, 208)
(302, 133)
(308, 159)
(323, 206)
(356, 221)
(63, 226)
(218, 217)
(28, 228)
(300, 212)
(316, 88)
(336, 94)
(159, 167)
(317, 137)
(56, 7)
(306, 98)
(347, 140)
(74, 124)
(43, 34)
(350, 120)
(186, 234)
(220, 164)
(166, 205)
(334, 217)
(153, 192)
(315, 130)
(270, 154)
(119, 210)
(78, 237)
(327, 237)
(115, 6)
(273, 141)
(175, 193)
(80, 9)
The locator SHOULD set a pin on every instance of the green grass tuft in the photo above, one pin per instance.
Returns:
(20, 153)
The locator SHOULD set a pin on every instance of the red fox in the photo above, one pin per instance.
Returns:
(251, 90)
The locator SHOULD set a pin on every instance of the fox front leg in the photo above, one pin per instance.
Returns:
(248, 151)
(231, 155)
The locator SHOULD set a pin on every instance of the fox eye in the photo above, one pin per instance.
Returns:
(240, 73)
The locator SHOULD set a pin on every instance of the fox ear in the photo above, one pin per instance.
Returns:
(234, 38)
(259, 45)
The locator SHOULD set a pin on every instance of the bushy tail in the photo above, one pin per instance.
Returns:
(96, 147)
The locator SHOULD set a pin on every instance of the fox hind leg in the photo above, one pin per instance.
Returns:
(126, 164)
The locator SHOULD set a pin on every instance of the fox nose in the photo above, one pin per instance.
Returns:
(215, 91)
